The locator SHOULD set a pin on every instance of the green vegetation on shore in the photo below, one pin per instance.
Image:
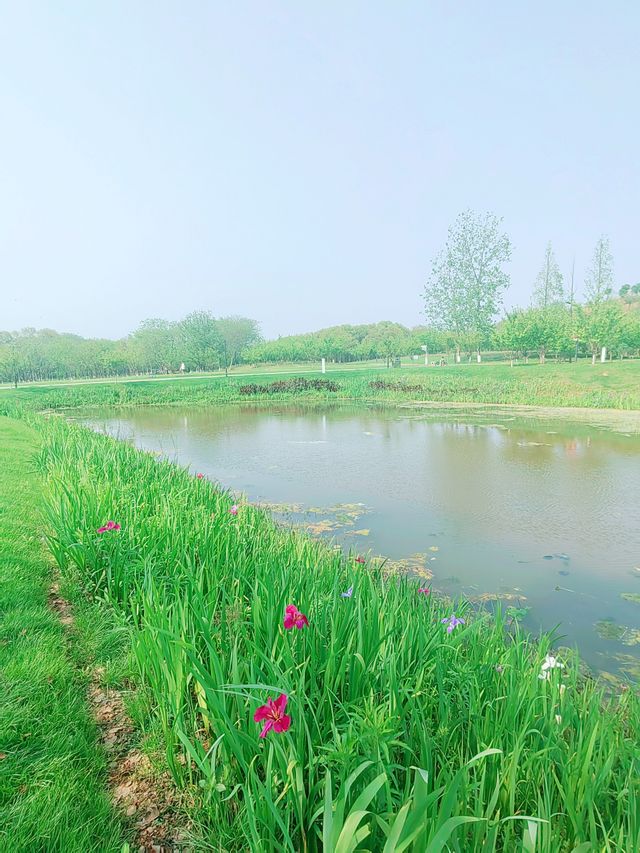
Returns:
(614, 385)
(402, 736)
(52, 769)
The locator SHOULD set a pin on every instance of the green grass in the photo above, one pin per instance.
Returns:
(615, 385)
(52, 771)
(403, 737)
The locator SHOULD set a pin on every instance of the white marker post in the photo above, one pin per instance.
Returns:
(324, 366)
(426, 354)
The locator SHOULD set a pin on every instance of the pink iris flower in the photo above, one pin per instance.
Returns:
(110, 525)
(199, 476)
(360, 559)
(273, 715)
(293, 618)
(234, 509)
(425, 590)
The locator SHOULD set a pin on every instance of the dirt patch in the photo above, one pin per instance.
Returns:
(60, 606)
(147, 798)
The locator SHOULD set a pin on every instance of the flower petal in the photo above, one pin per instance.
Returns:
(262, 713)
(267, 727)
(281, 703)
(282, 724)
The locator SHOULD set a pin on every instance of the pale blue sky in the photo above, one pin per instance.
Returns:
(300, 162)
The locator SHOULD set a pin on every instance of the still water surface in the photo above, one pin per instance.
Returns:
(545, 514)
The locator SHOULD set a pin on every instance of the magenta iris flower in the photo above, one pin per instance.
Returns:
(273, 715)
(234, 509)
(199, 476)
(293, 618)
(453, 622)
(360, 559)
(425, 590)
(110, 525)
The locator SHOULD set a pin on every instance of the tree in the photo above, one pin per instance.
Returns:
(599, 280)
(200, 345)
(602, 326)
(155, 344)
(548, 289)
(467, 281)
(512, 334)
(236, 335)
(631, 332)
(544, 330)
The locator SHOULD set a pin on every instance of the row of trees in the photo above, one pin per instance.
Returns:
(466, 286)
(566, 332)
(463, 298)
(201, 342)
(346, 343)
(198, 342)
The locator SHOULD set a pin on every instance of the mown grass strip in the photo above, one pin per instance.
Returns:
(52, 771)
(609, 386)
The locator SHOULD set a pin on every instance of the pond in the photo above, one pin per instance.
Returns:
(543, 515)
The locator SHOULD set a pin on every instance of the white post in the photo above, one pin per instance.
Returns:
(603, 355)
(478, 357)
(324, 366)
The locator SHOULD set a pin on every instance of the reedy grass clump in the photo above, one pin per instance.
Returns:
(403, 737)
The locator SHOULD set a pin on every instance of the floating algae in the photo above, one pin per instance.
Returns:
(412, 565)
(497, 596)
(607, 629)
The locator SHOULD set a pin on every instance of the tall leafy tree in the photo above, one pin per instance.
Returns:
(155, 345)
(548, 289)
(236, 335)
(467, 282)
(602, 326)
(200, 345)
(599, 280)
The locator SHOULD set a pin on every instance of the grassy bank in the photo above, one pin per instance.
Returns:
(400, 734)
(610, 386)
(52, 770)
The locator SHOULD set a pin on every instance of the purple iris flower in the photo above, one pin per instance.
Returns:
(453, 622)
(348, 593)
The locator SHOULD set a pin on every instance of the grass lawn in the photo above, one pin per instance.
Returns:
(52, 769)
(614, 385)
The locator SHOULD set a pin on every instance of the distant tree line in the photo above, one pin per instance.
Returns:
(343, 344)
(198, 342)
(463, 300)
